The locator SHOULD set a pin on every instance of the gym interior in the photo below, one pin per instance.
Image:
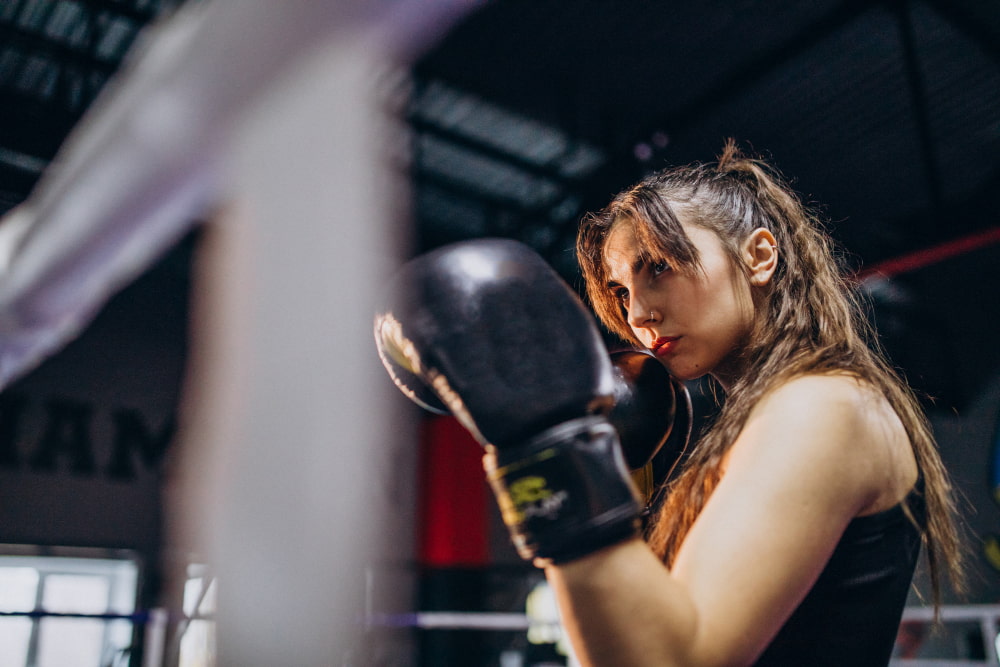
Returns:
(202, 459)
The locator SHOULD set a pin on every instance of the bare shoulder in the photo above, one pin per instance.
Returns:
(815, 403)
(822, 391)
(842, 424)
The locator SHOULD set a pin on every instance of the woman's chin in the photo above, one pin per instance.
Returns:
(684, 372)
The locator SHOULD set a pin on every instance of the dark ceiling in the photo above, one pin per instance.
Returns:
(884, 114)
(530, 112)
(55, 57)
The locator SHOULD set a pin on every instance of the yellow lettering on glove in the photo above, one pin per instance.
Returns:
(528, 490)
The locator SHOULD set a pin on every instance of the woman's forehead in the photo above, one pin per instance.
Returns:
(622, 232)
(622, 246)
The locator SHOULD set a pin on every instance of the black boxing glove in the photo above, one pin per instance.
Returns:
(510, 350)
(653, 416)
(651, 413)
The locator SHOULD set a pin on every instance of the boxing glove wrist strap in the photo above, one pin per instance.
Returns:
(566, 492)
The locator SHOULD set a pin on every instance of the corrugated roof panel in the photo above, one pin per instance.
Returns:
(116, 36)
(64, 22)
(522, 137)
(483, 174)
(33, 14)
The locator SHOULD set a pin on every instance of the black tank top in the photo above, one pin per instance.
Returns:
(851, 615)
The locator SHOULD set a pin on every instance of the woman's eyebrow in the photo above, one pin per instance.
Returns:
(637, 265)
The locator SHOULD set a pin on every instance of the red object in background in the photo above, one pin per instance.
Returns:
(909, 639)
(923, 258)
(452, 519)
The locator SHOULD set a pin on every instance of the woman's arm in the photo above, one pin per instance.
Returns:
(814, 454)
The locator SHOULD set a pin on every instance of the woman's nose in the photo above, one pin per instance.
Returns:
(639, 314)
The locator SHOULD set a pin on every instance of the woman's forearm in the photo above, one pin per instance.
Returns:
(620, 607)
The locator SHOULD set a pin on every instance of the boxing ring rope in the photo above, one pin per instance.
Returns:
(928, 256)
(985, 617)
(454, 620)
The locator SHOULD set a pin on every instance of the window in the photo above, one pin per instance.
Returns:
(61, 607)
(197, 640)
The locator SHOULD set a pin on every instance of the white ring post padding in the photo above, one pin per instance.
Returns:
(142, 164)
(287, 431)
(290, 439)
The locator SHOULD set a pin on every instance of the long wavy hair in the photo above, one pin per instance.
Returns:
(811, 322)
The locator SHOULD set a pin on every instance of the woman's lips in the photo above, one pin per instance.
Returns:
(663, 345)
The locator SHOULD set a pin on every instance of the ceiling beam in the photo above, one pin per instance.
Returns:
(918, 102)
(546, 171)
(483, 197)
(35, 42)
(129, 10)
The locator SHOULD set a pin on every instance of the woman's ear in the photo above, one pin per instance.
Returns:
(760, 252)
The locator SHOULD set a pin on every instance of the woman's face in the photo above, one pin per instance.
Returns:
(693, 321)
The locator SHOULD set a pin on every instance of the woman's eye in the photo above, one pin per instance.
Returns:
(621, 296)
(660, 267)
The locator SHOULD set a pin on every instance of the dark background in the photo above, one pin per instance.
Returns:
(886, 115)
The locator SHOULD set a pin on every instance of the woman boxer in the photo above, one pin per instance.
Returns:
(792, 534)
